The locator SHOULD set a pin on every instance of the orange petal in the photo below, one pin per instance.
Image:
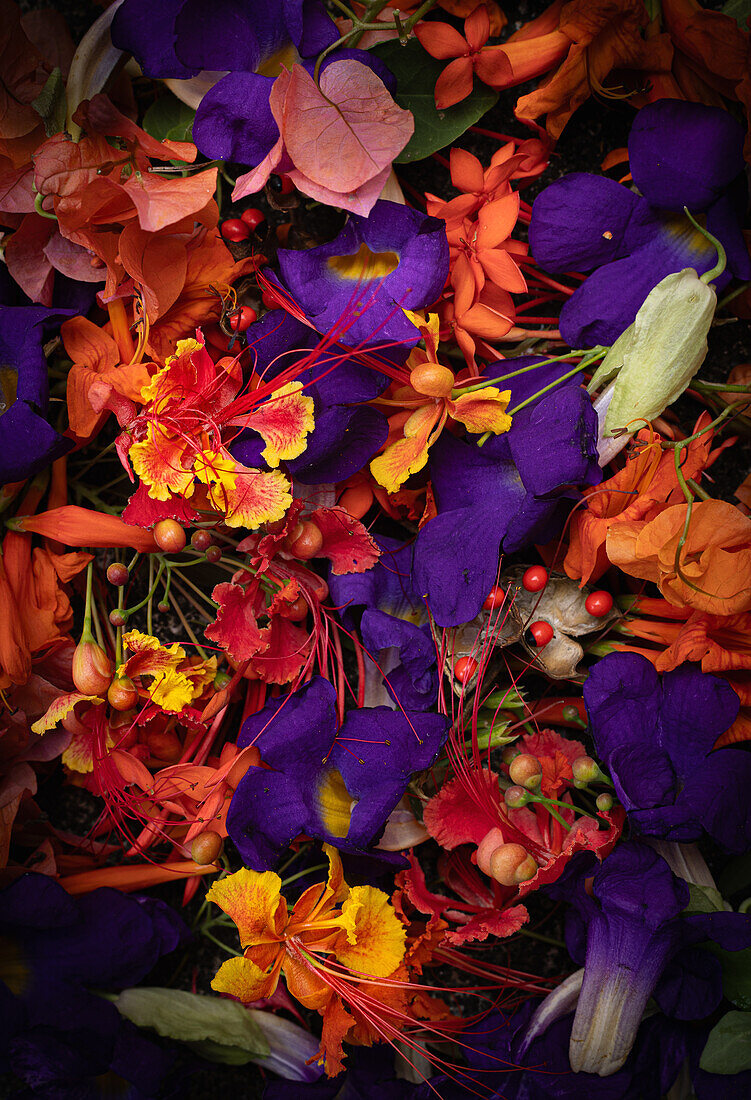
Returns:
(440, 40)
(159, 462)
(410, 454)
(454, 84)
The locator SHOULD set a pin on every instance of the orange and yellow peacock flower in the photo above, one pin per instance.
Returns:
(193, 409)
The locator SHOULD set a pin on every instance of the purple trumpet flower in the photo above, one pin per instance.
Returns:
(680, 154)
(338, 783)
(635, 924)
(395, 259)
(656, 736)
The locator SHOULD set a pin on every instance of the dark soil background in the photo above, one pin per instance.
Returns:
(596, 129)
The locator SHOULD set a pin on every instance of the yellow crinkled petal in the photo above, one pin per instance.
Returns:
(407, 456)
(241, 978)
(152, 390)
(61, 707)
(283, 422)
(254, 902)
(137, 642)
(216, 469)
(379, 936)
(158, 461)
(172, 690)
(256, 499)
(483, 411)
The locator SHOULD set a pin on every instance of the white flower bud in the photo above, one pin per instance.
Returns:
(658, 355)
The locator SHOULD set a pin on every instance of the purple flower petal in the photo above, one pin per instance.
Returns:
(684, 154)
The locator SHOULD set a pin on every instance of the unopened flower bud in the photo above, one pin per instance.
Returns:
(660, 352)
(516, 797)
(169, 536)
(118, 617)
(526, 770)
(510, 752)
(122, 694)
(432, 379)
(511, 864)
(492, 839)
(604, 802)
(221, 680)
(206, 847)
(92, 668)
(586, 770)
(305, 541)
(117, 574)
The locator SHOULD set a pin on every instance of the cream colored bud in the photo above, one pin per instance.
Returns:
(658, 355)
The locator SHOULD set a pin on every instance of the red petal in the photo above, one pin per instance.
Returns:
(346, 543)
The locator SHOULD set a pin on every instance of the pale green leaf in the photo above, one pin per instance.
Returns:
(728, 1048)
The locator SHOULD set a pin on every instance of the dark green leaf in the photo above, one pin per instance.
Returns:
(169, 119)
(736, 975)
(728, 1048)
(736, 877)
(738, 10)
(416, 73)
(50, 104)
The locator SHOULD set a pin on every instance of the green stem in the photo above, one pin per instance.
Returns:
(523, 370)
(542, 938)
(722, 259)
(564, 377)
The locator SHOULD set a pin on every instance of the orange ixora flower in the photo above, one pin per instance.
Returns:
(472, 57)
(334, 940)
(514, 160)
(483, 251)
(177, 444)
(712, 570)
(426, 406)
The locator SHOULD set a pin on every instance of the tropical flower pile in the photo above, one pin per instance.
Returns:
(375, 565)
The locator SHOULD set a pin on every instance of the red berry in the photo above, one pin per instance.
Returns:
(535, 578)
(234, 229)
(541, 632)
(465, 668)
(281, 184)
(270, 300)
(599, 603)
(494, 598)
(117, 574)
(253, 217)
(213, 554)
(201, 540)
(169, 536)
(243, 319)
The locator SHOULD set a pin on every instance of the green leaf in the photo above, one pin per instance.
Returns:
(736, 975)
(728, 1048)
(169, 119)
(738, 10)
(221, 1030)
(705, 899)
(416, 74)
(51, 105)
